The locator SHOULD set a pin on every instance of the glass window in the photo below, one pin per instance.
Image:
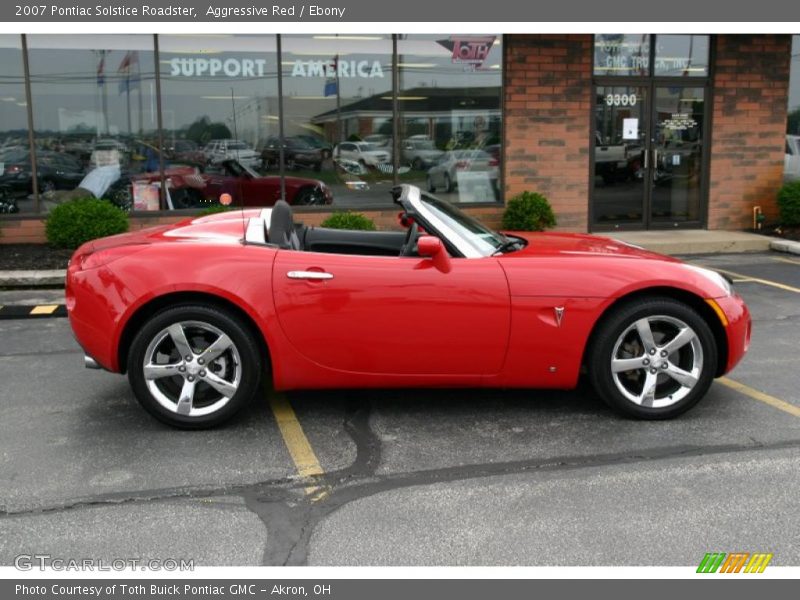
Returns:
(219, 99)
(681, 55)
(94, 114)
(450, 114)
(338, 90)
(622, 54)
(14, 168)
(792, 157)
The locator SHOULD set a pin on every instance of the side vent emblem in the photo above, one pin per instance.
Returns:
(559, 311)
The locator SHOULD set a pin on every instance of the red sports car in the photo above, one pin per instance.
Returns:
(198, 312)
(190, 189)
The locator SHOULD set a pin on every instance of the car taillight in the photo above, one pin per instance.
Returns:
(493, 162)
(13, 169)
(462, 164)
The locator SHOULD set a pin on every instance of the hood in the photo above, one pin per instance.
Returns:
(580, 245)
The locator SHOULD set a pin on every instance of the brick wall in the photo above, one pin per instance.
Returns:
(548, 88)
(31, 231)
(748, 127)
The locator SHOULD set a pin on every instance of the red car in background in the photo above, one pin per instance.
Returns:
(198, 312)
(189, 188)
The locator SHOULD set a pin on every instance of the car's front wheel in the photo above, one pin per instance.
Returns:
(194, 366)
(652, 358)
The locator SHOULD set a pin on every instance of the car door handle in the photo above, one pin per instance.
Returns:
(315, 275)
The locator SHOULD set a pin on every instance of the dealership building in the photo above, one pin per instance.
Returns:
(618, 131)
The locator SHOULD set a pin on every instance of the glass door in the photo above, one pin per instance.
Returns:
(621, 153)
(677, 156)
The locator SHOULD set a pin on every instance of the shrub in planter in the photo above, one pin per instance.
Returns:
(789, 204)
(72, 223)
(349, 220)
(213, 209)
(528, 211)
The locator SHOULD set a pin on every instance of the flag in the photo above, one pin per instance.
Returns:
(129, 80)
(331, 86)
(332, 83)
(101, 77)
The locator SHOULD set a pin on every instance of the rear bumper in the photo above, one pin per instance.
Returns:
(93, 316)
(738, 329)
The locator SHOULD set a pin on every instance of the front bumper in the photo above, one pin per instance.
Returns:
(738, 329)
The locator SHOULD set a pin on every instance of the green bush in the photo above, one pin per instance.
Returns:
(71, 224)
(789, 203)
(213, 209)
(349, 220)
(528, 211)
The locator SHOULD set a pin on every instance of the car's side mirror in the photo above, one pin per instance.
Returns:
(429, 246)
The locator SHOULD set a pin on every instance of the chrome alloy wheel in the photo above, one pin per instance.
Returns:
(192, 368)
(657, 361)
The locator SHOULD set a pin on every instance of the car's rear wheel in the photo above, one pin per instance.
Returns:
(431, 185)
(194, 366)
(448, 184)
(652, 358)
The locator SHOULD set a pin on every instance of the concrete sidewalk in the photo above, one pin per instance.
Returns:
(696, 241)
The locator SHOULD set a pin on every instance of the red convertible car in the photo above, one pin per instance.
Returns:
(196, 313)
(190, 189)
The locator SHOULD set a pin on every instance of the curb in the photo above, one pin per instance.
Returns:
(32, 311)
(32, 279)
(785, 246)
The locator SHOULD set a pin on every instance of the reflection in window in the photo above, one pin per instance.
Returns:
(14, 154)
(338, 114)
(793, 125)
(219, 105)
(450, 114)
(622, 54)
(94, 115)
(682, 55)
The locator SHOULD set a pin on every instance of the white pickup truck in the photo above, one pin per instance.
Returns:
(791, 163)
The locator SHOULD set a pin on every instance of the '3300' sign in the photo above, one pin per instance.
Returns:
(621, 100)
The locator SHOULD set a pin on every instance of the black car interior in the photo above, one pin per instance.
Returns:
(287, 234)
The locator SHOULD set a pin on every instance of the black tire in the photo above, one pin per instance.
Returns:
(448, 184)
(192, 318)
(431, 185)
(317, 167)
(617, 338)
(186, 198)
(417, 164)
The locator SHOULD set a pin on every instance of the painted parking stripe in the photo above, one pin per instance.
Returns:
(32, 311)
(786, 260)
(761, 396)
(303, 456)
(775, 284)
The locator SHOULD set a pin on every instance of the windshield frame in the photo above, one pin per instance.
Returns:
(456, 229)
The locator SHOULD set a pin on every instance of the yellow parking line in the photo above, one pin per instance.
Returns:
(781, 286)
(786, 260)
(761, 396)
(44, 309)
(305, 461)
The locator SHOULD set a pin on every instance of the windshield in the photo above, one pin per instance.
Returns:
(237, 146)
(480, 237)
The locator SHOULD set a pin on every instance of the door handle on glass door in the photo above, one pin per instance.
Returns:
(314, 275)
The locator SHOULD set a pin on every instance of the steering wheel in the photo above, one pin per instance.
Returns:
(409, 245)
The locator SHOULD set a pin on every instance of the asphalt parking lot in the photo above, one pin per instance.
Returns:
(448, 477)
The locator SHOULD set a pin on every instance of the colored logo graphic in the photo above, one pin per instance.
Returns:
(469, 50)
(736, 562)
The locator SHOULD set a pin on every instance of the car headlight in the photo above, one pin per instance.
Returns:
(716, 278)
